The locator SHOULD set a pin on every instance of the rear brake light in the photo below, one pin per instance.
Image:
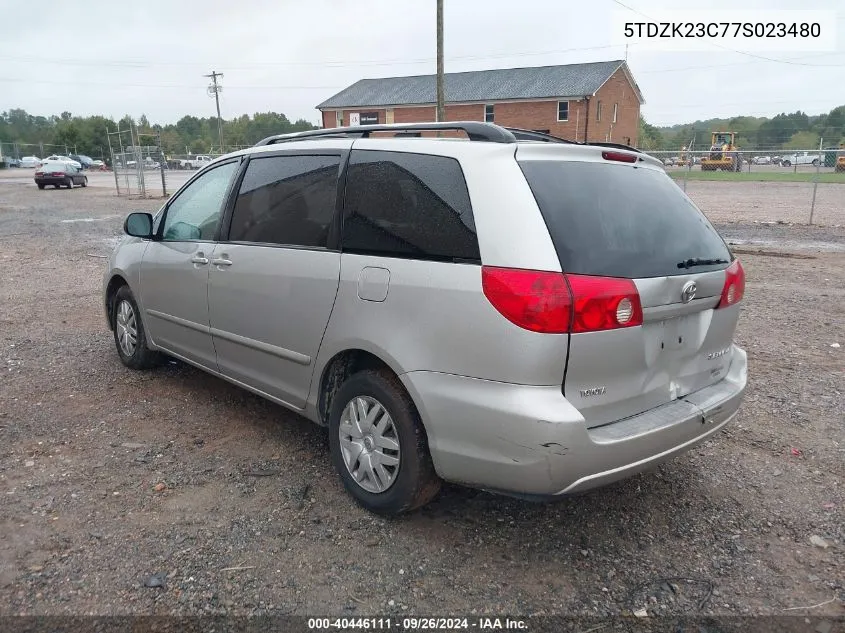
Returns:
(57, 173)
(555, 303)
(39, 173)
(622, 157)
(734, 287)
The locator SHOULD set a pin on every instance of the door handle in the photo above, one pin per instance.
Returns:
(199, 259)
(221, 262)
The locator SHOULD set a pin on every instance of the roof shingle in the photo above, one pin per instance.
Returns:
(571, 80)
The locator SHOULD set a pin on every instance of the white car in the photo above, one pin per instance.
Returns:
(58, 158)
(762, 160)
(30, 161)
(801, 158)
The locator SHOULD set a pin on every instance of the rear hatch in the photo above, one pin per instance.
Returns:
(618, 221)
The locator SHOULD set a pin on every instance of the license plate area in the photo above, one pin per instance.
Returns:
(677, 333)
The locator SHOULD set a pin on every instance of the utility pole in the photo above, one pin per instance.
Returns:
(215, 89)
(441, 105)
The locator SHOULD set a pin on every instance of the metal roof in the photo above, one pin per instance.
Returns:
(571, 80)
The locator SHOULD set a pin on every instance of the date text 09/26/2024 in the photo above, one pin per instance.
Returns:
(417, 624)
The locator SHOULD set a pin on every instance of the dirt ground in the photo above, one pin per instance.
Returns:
(109, 477)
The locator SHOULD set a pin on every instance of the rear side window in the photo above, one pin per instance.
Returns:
(620, 221)
(408, 205)
(286, 200)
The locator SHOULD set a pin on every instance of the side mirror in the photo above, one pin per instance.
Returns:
(139, 225)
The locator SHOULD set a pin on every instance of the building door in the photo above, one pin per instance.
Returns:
(388, 115)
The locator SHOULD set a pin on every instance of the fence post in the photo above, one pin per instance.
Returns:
(686, 171)
(816, 181)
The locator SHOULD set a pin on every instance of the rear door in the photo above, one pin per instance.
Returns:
(272, 283)
(623, 220)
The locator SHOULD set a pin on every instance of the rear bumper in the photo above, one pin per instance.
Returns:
(531, 441)
(52, 180)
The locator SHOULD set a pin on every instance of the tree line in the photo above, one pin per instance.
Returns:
(89, 135)
(797, 130)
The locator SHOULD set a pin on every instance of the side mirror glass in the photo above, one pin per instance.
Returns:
(139, 225)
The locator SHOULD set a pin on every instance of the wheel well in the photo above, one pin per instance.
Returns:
(116, 283)
(338, 369)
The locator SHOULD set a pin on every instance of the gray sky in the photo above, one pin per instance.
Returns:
(148, 56)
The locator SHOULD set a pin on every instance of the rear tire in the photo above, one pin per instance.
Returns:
(816, 162)
(85, 181)
(41, 186)
(129, 334)
(69, 183)
(414, 481)
(786, 163)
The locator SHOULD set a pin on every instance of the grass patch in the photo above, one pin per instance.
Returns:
(787, 175)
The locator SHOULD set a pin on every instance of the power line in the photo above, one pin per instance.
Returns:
(324, 63)
(177, 86)
(733, 50)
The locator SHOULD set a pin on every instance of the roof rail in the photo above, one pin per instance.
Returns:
(531, 135)
(475, 130)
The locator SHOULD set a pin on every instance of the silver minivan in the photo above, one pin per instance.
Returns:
(508, 311)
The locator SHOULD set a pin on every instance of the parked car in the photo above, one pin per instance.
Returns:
(30, 161)
(776, 160)
(10, 161)
(762, 160)
(801, 158)
(64, 159)
(59, 174)
(197, 162)
(436, 333)
(98, 164)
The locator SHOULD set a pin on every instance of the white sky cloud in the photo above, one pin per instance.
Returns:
(150, 56)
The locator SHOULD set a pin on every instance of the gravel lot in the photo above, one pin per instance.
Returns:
(110, 477)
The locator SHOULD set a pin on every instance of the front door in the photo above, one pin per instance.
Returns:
(174, 271)
(272, 285)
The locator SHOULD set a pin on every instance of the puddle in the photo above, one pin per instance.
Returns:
(793, 244)
(102, 219)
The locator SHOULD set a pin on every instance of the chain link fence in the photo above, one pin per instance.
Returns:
(804, 186)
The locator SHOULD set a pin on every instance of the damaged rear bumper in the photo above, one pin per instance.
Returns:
(529, 440)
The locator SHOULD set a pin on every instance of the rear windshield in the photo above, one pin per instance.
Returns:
(622, 221)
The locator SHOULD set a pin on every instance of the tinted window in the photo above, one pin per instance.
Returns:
(408, 205)
(286, 200)
(621, 221)
(195, 213)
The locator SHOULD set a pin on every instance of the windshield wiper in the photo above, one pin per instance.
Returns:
(697, 261)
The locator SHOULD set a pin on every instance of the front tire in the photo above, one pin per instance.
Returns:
(129, 334)
(378, 445)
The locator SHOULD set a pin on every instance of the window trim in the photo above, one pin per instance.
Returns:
(567, 111)
(492, 107)
(227, 199)
(615, 111)
(333, 242)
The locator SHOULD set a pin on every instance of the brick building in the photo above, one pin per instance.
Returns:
(595, 102)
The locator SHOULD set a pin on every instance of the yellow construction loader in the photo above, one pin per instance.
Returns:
(840, 159)
(723, 153)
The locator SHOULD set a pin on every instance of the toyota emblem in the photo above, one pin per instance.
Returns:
(688, 292)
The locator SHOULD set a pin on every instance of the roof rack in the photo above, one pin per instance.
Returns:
(531, 135)
(475, 130)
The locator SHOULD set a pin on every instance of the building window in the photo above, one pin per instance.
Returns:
(488, 113)
(339, 118)
(598, 111)
(563, 110)
(615, 111)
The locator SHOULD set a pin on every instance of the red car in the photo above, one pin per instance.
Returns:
(59, 174)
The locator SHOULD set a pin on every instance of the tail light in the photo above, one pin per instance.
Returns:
(555, 303)
(734, 287)
(57, 174)
(39, 173)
